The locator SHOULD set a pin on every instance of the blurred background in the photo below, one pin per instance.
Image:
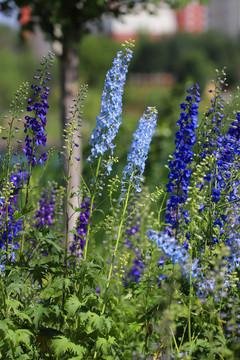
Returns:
(174, 49)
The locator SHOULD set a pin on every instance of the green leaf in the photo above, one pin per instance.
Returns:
(15, 287)
(62, 345)
(4, 325)
(72, 305)
(24, 357)
(12, 337)
(105, 345)
(97, 322)
(108, 323)
(24, 336)
(19, 214)
(53, 243)
(38, 313)
(102, 344)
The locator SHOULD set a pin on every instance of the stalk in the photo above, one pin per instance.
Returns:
(190, 277)
(114, 253)
(26, 202)
(190, 296)
(116, 246)
(91, 211)
(14, 115)
(70, 148)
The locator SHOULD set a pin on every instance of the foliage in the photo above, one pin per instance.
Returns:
(151, 275)
(188, 56)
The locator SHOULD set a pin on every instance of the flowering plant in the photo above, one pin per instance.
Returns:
(145, 275)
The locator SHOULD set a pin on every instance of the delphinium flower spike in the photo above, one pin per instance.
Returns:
(11, 182)
(77, 246)
(35, 124)
(223, 177)
(133, 172)
(132, 237)
(179, 164)
(178, 255)
(109, 119)
(10, 229)
(213, 119)
(9, 133)
(138, 154)
(44, 216)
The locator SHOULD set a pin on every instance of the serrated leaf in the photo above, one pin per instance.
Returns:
(24, 336)
(22, 315)
(12, 337)
(203, 343)
(62, 345)
(24, 357)
(102, 344)
(97, 322)
(4, 325)
(53, 243)
(14, 286)
(72, 305)
(37, 313)
(105, 344)
(108, 323)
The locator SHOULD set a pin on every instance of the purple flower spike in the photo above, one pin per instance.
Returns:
(180, 173)
(45, 213)
(35, 124)
(78, 244)
(11, 230)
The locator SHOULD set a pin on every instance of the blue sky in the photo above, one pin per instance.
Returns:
(9, 20)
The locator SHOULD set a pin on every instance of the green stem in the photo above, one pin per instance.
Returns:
(5, 295)
(114, 254)
(67, 214)
(91, 211)
(66, 230)
(26, 202)
(160, 211)
(190, 278)
(190, 297)
(7, 175)
(116, 247)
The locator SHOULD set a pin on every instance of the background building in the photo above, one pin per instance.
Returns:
(192, 18)
(224, 16)
(161, 22)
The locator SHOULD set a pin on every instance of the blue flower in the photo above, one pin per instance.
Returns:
(45, 213)
(10, 228)
(35, 125)
(78, 244)
(180, 172)
(216, 195)
(139, 149)
(179, 255)
(109, 119)
(136, 271)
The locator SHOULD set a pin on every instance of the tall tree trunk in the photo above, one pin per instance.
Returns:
(69, 87)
